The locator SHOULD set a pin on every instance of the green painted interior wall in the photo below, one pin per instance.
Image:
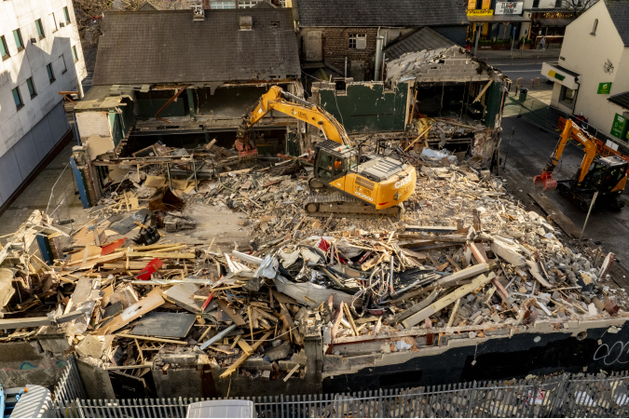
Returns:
(149, 107)
(367, 108)
(494, 100)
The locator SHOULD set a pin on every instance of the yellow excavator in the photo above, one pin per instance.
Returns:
(603, 169)
(345, 180)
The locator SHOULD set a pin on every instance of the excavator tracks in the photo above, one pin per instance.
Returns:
(342, 205)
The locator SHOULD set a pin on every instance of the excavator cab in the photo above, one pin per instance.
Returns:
(607, 175)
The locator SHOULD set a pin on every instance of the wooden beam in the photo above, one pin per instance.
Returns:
(234, 367)
(150, 338)
(460, 292)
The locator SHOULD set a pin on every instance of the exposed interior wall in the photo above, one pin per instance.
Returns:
(454, 33)
(366, 107)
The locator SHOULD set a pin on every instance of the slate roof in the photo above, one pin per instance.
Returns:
(373, 13)
(621, 99)
(169, 47)
(422, 39)
(619, 11)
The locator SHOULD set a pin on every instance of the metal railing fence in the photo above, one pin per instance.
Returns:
(566, 395)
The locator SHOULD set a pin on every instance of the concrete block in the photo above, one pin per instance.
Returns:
(279, 352)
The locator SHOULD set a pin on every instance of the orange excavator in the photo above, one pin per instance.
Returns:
(602, 169)
(345, 181)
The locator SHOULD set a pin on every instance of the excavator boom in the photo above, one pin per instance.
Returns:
(369, 184)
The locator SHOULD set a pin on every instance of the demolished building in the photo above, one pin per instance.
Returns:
(442, 97)
(155, 80)
(462, 284)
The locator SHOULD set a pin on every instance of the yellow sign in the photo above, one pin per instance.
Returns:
(471, 4)
(480, 12)
(486, 4)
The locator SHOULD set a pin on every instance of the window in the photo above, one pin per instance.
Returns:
(75, 56)
(246, 4)
(594, 27)
(567, 96)
(222, 4)
(535, 3)
(63, 61)
(357, 41)
(54, 22)
(17, 98)
(66, 14)
(4, 50)
(51, 74)
(31, 87)
(40, 29)
(17, 35)
(558, 3)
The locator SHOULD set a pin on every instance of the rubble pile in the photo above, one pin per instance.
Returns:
(463, 258)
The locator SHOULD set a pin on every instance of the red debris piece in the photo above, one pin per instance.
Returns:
(111, 247)
(205, 304)
(151, 268)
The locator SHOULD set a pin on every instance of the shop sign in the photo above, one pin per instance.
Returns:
(558, 15)
(486, 4)
(509, 8)
(480, 12)
(557, 76)
(471, 5)
(618, 128)
(604, 88)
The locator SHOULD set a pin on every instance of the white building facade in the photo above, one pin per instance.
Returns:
(593, 67)
(40, 56)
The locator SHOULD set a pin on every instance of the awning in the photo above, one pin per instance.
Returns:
(621, 99)
(560, 75)
(498, 19)
(560, 22)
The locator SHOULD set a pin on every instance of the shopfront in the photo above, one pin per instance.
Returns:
(500, 27)
(551, 25)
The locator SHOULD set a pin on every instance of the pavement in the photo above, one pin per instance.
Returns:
(527, 149)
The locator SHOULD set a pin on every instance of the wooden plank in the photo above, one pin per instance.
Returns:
(467, 273)
(165, 255)
(183, 295)
(245, 347)
(460, 292)
(558, 217)
(338, 316)
(153, 300)
(234, 367)
(350, 319)
(417, 307)
(231, 313)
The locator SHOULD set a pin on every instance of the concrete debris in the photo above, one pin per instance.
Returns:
(464, 259)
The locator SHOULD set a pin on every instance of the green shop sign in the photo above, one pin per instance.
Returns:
(618, 128)
(604, 88)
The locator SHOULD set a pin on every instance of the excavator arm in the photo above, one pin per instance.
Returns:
(570, 132)
(278, 100)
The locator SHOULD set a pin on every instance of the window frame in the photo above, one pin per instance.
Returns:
(15, 91)
(562, 97)
(30, 84)
(51, 73)
(63, 60)
(3, 41)
(17, 35)
(39, 26)
(55, 26)
(66, 15)
(75, 54)
(352, 38)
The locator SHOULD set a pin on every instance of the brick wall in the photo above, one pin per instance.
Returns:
(336, 48)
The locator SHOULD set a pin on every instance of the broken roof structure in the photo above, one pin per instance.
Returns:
(391, 13)
(420, 40)
(165, 47)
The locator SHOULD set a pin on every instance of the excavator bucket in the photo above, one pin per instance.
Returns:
(545, 180)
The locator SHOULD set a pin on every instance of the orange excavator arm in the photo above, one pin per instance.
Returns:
(570, 132)
(278, 100)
